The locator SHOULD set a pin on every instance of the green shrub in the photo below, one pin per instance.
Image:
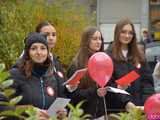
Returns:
(7, 91)
(77, 113)
(19, 17)
(133, 114)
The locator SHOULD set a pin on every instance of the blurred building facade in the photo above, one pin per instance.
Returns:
(143, 13)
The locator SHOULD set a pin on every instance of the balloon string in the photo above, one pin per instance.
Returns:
(105, 109)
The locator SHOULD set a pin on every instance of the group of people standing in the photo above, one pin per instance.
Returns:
(39, 78)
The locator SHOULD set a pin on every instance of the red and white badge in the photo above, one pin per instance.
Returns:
(138, 66)
(60, 74)
(50, 91)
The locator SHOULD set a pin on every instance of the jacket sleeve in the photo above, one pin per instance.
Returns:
(17, 78)
(119, 101)
(147, 75)
(147, 84)
(83, 94)
(123, 100)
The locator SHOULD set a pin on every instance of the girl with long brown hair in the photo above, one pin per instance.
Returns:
(127, 57)
(88, 90)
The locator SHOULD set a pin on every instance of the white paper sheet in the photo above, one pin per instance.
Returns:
(58, 104)
(116, 90)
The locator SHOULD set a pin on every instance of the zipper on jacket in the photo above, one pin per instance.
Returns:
(43, 95)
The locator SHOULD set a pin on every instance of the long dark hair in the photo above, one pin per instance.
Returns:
(134, 55)
(81, 58)
(84, 52)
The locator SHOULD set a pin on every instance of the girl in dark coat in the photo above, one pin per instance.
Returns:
(127, 57)
(88, 90)
(34, 77)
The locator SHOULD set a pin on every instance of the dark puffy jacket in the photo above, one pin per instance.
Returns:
(37, 91)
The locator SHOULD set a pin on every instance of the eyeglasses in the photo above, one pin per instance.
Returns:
(131, 33)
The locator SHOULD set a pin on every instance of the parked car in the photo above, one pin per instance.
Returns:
(152, 53)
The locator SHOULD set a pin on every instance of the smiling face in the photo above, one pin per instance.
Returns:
(50, 31)
(38, 52)
(95, 42)
(126, 35)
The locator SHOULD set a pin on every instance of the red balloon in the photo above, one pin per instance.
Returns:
(152, 104)
(100, 68)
